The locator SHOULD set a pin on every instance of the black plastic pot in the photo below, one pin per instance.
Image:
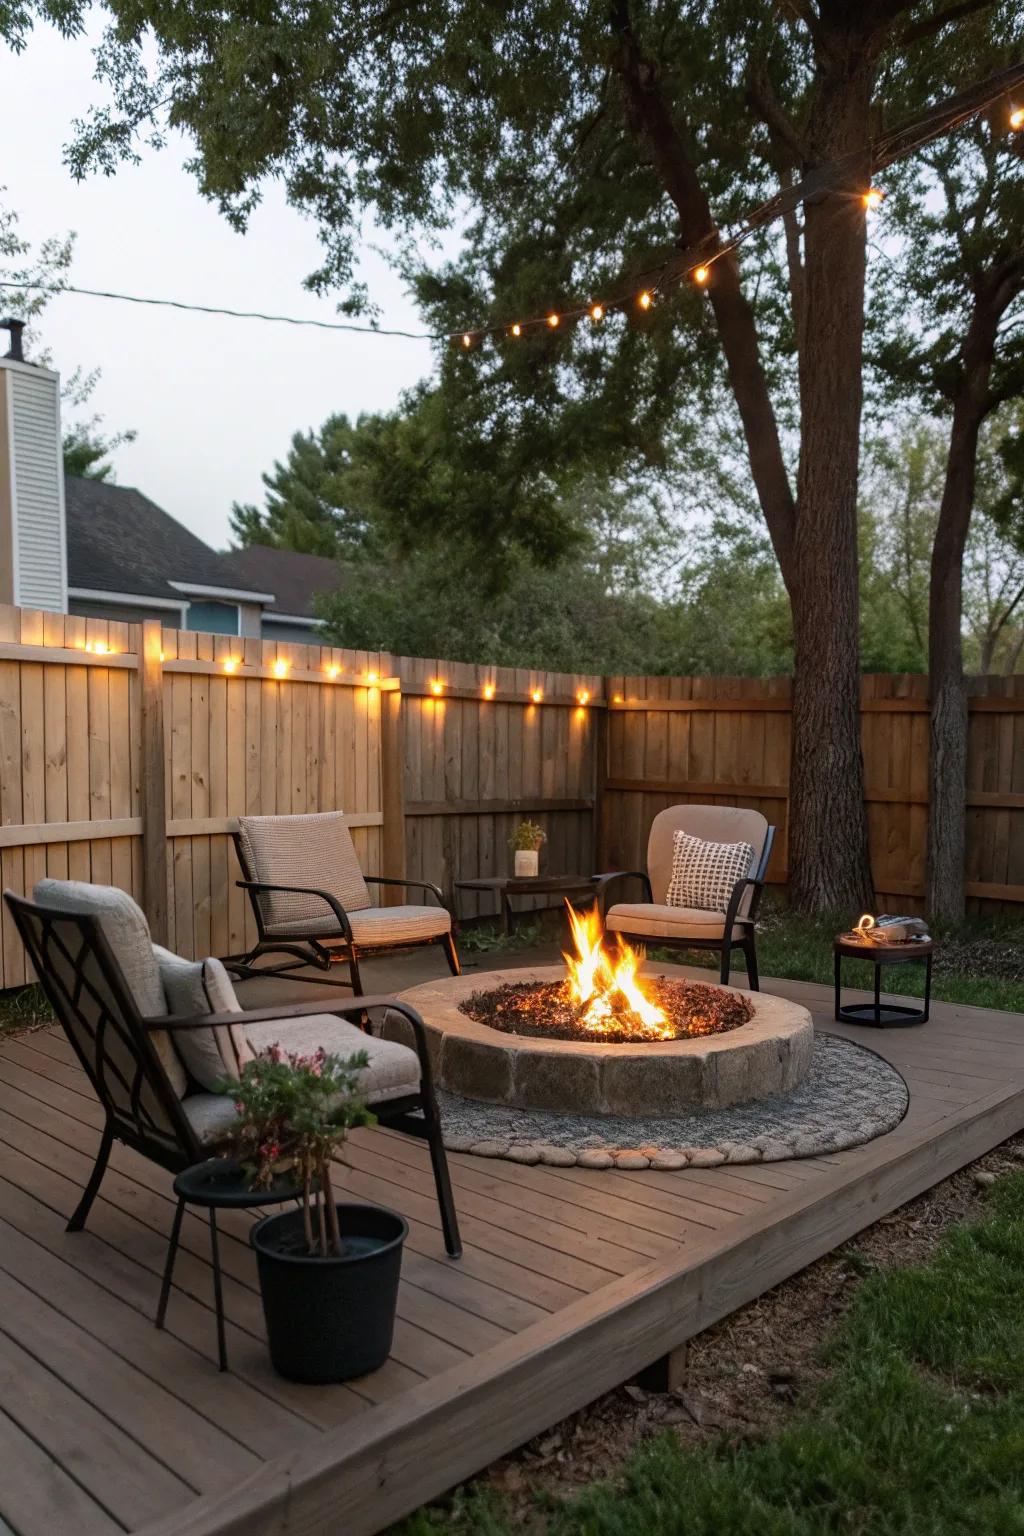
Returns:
(329, 1319)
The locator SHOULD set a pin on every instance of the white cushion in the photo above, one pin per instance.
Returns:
(314, 850)
(652, 920)
(393, 1070)
(127, 932)
(704, 873)
(195, 987)
(211, 1116)
(374, 925)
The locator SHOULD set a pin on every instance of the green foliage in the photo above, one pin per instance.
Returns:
(916, 1433)
(528, 837)
(293, 1115)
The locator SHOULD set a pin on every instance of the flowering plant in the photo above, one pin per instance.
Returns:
(293, 1114)
(528, 837)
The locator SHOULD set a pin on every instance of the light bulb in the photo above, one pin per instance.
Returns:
(536, 694)
(230, 664)
(467, 340)
(1017, 118)
(517, 329)
(280, 668)
(553, 321)
(437, 688)
(332, 672)
(596, 312)
(701, 275)
(371, 677)
(583, 697)
(645, 301)
(488, 690)
(873, 198)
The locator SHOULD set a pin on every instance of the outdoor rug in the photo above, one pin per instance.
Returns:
(849, 1096)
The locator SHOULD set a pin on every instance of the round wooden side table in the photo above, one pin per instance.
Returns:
(877, 1014)
(218, 1184)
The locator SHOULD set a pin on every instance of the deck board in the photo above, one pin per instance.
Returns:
(570, 1282)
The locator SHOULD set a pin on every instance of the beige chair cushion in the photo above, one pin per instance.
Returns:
(393, 1070)
(653, 920)
(712, 823)
(195, 987)
(313, 851)
(127, 932)
(211, 1116)
(375, 925)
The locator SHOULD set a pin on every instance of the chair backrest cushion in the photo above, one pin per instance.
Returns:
(127, 932)
(315, 850)
(195, 987)
(712, 824)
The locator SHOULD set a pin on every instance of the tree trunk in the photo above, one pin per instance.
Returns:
(829, 865)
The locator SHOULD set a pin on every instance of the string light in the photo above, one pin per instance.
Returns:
(162, 656)
(437, 688)
(467, 340)
(553, 321)
(97, 648)
(873, 198)
(645, 301)
(371, 678)
(517, 329)
(617, 699)
(596, 312)
(1017, 118)
(488, 690)
(701, 275)
(280, 668)
(583, 697)
(536, 694)
(332, 672)
(230, 665)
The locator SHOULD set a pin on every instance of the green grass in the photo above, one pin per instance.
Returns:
(918, 1430)
(965, 971)
(21, 1009)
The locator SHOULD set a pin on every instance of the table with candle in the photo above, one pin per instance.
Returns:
(882, 942)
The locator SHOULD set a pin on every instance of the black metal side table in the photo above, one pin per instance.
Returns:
(891, 1015)
(217, 1185)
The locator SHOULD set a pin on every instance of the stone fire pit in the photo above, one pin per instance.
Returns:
(764, 1058)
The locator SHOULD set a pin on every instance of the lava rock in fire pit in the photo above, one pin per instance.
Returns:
(548, 1010)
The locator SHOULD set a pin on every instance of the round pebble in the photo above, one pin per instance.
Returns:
(706, 1157)
(489, 1148)
(668, 1162)
(523, 1152)
(459, 1143)
(632, 1160)
(738, 1153)
(592, 1157)
(556, 1157)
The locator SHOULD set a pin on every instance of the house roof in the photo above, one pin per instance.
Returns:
(293, 578)
(120, 541)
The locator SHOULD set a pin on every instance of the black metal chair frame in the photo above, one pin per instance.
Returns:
(727, 943)
(78, 939)
(310, 949)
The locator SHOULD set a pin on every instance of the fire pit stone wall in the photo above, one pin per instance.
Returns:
(761, 1059)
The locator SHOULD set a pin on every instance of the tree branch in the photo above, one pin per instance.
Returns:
(929, 25)
(652, 125)
(761, 96)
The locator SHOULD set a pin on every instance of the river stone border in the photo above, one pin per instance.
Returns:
(763, 1058)
(848, 1097)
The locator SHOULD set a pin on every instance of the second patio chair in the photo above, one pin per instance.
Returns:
(311, 900)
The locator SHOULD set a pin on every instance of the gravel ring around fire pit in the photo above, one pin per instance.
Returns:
(848, 1097)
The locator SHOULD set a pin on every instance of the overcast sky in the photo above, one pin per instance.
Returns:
(214, 401)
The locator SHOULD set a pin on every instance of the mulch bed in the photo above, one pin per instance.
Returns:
(546, 1010)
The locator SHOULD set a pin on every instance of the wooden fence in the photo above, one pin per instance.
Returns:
(127, 751)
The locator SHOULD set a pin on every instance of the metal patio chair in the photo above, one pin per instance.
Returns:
(311, 900)
(654, 923)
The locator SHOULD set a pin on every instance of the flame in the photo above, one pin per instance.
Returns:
(606, 987)
(865, 925)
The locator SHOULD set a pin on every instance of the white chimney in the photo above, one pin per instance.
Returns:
(33, 545)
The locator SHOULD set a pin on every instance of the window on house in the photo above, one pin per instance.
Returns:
(213, 618)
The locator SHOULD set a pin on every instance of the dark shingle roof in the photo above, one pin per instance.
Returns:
(293, 578)
(120, 541)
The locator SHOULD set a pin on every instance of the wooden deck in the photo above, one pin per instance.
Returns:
(570, 1283)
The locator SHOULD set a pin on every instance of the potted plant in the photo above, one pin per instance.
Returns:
(328, 1272)
(526, 843)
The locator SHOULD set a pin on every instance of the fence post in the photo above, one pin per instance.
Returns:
(154, 804)
(600, 780)
(392, 792)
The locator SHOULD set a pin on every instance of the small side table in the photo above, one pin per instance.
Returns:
(889, 1015)
(506, 886)
(217, 1185)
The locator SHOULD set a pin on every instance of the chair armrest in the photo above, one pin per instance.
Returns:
(422, 885)
(339, 1003)
(603, 882)
(732, 910)
(258, 887)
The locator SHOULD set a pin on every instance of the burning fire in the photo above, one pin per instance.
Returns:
(606, 988)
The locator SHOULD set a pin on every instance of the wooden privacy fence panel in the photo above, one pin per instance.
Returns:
(477, 765)
(127, 752)
(727, 741)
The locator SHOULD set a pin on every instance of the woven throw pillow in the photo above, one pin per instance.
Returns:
(195, 987)
(703, 874)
